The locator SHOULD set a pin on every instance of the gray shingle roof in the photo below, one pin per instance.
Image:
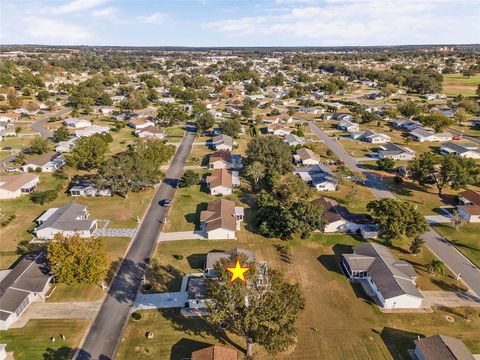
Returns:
(441, 347)
(66, 218)
(214, 257)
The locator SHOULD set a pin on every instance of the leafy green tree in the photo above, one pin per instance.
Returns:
(469, 105)
(272, 152)
(204, 122)
(436, 267)
(397, 218)
(43, 197)
(460, 116)
(40, 146)
(436, 120)
(89, 152)
(231, 127)
(61, 134)
(188, 179)
(450, 170)
(255, 171)
(78, 261)
(43, 95)
(386, 164)
(416, 245)
(19, 159)
(264, 312)
(171, 114)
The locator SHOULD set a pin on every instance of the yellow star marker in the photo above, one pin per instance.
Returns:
(238, 272)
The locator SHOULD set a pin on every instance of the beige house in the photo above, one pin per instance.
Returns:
(222, 181)
(221, 220)
(306, 157)
(12, 187)
(150, 132)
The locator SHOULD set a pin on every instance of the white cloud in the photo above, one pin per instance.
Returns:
(155, 18)
(108, 12)
(77, 5)
(55, 31)
(355, 22)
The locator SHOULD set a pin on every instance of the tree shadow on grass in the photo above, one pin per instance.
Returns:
(62, 353)
(165, 278)
(332, 262)
(398, 342)
(197, 326)
(194, 218)
(184, 348)
(448, 287)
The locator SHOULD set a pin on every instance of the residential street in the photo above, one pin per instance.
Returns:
(372, 181)
(106, 331)
(445, 251)
(464, 137)
(39, 124)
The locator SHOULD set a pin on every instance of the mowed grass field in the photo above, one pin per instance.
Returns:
(34, 340)
(339, 321)
(456, 84)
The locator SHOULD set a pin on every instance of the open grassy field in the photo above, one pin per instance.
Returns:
(456, 84)
(33, 340)
(334, 308)
(466, 239)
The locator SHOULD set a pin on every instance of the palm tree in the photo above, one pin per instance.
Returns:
(436, 267)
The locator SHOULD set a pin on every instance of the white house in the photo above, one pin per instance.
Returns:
(318, 176)
(13, 186)
(422, 135)
(441, 347)
(221, 220)
(25, 283)
(214, 257)
(140, 123)
(347, 125)
(222, 142)
(294, 140)
(221, 182)
(68, 220)
(66, 146)
(279, 129)
(469, 213)
(75, 123)
(223, 159)
(150, 132)
(467, 150)
(48, 162)
(306, 157)
(391, 282)
(92, 130)
(395, 152)
(371, 137)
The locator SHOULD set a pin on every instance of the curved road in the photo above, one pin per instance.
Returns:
(440, 246)
(106, 331)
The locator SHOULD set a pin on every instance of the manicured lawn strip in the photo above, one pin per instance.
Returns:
(466, 239)
(455, 84)
(33, 340)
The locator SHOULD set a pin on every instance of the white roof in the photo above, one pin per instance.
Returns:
(46, 215)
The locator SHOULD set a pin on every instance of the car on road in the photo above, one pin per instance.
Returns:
(165, 202)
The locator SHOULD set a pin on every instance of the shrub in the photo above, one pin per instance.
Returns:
(178, 257)
(43, 197)
(398, 180)
(136, 316)
(329, 152)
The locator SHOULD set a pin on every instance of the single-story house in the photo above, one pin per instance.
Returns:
(279, 129)
(87, 188)
(68, 220)
(214, 257)
(294, 140)
(27, 282)
(66, 146)
(222, 142)
(389, 280)
(371, 137)
(423, 135)
(13, 186)
(406, 124)
(469, 197)
(347, 125)
(221, 219)
(92, 130)
(312, 110)
(340, 219)
(306, 157)
(140, 123)
(9, 117)
(215, 353)
(445, 111)
(435, 96)
(318, 176)
(223, 159)
(467, 150)
(441, 347)
(339, 116)
(150, 132)
(395, 152)
(75, 123)
(48, 162)
(222, 181)
(469, 213)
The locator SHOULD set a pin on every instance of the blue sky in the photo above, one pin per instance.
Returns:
(239, 23)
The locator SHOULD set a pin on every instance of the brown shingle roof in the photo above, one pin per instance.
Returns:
(41, 160)
(220, 177)
(215, 353)
(221, 155)
(471, 196)
(219, 214)
(16, 182)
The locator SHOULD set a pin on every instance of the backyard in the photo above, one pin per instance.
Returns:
(456, 84)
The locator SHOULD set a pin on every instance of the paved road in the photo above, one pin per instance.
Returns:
(372, 181)
(464, 137)
(38, 125)
(106, 331)
(441, 247)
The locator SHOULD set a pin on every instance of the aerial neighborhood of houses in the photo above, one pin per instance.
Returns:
(229, 204)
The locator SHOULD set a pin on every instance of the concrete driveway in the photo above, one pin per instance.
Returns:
(181, 235)
(436, 219)
(58, 310)
(450, 299)
(160, 301)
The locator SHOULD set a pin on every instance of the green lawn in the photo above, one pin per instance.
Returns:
(455, 84)
(334, 308)
(466, 239)
(34, 340)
